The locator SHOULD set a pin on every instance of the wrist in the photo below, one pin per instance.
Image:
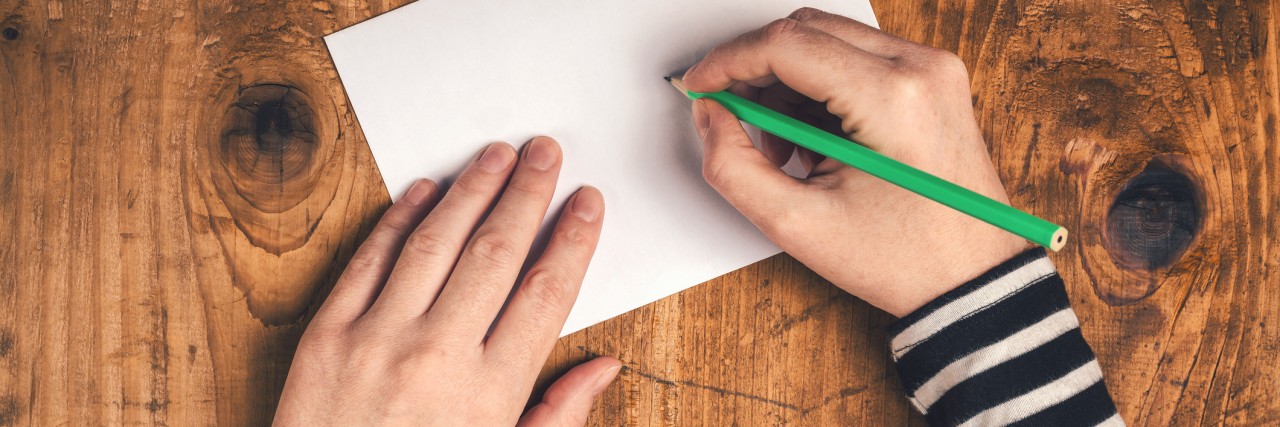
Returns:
(963, 262)
(964, 266)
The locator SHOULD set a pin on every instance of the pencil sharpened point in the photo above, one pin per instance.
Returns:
(679, 84)
(667, 78)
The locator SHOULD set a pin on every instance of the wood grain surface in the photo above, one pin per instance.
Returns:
(181, 182)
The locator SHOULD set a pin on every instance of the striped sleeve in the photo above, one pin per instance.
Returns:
(1002, 349)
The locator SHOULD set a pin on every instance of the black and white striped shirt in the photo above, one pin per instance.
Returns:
(1002, 349)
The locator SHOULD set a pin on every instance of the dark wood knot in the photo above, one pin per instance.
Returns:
(12, 25)
(272, 159)
(269, 140)
(1154, 219)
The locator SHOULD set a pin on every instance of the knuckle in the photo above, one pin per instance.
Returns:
(365, 262)
(321, 334)
(422, 359)
(528, 186)
(947, 62)
(929, 74)
(805, 13)
(398, 219)
(578, 237)
(515, 357)
(363, 360)
(431, 347)
(780, 30)
(934, 63)
(373, 332)
(907, 86)
(713, 169)
(429, 244)
(548, 288)
(469, 184)
(492, 247)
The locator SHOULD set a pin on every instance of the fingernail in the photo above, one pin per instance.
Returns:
(541, 153)
(605, 378)
(689, 72)
(701, 119)
(495, 158)
(419, 192)
(587, 204)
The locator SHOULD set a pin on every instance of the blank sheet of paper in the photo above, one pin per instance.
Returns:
(436, 80)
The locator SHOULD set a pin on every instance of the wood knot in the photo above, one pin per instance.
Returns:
(12, 27)
(268, 177)
(1154, 219)
(269, 140)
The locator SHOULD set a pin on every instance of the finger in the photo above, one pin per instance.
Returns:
(568, 400)
(527, 330)
(814, 63)
(368, 269)
(776, 149)
(492, 259)
(739, 172)
(776, 98)
(818, 116)
(744, 90)
(808, 160)
(856, 33)
(430, 253)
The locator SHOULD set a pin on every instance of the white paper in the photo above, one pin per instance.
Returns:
(434, 81)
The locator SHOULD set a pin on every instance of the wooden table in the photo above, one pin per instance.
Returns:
(181, 182)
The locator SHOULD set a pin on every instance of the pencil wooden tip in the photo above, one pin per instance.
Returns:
(679, 84)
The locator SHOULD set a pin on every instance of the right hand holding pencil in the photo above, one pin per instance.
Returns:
(884, 244)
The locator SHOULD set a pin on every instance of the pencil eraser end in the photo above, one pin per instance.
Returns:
(1058, 240)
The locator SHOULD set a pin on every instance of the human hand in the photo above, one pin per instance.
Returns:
(402, 337)
(884, 244)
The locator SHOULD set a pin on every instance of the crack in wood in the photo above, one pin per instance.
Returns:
(631, 367)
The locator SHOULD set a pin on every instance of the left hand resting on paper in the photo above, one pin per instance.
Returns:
(402, 339)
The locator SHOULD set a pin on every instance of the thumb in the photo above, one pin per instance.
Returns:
(737, 170)
(568, 401)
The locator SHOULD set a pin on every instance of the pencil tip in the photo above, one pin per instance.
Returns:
(667, 78)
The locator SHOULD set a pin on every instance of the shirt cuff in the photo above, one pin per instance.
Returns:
(1004, 348)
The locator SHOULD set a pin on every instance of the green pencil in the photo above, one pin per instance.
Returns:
(1023, 224)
